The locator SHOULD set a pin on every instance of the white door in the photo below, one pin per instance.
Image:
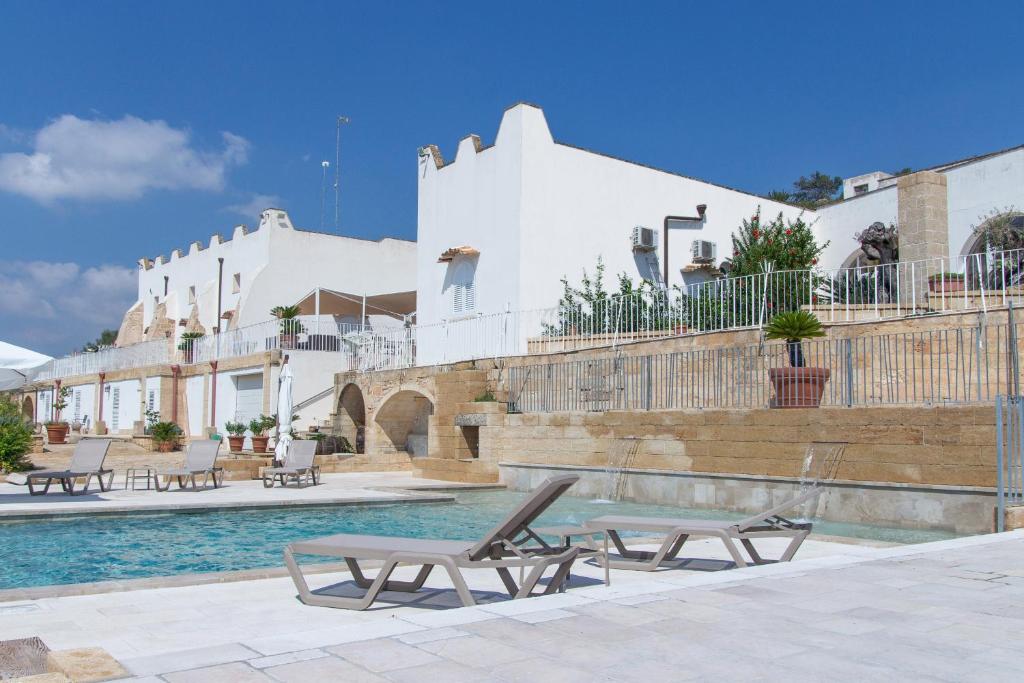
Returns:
(248, 397)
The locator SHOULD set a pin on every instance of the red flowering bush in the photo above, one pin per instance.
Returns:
(788, 245)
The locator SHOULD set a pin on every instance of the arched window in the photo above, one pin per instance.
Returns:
(463, 288)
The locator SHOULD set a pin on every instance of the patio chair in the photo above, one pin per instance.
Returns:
(86, 461)
(298, 466)
(200, 458)
(502, 548)
(676, 531)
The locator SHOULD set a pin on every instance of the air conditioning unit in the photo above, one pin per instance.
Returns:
(704, 251)
(645, 239)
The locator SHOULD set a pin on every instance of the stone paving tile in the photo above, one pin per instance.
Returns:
(188, 659)
(430, 635)
(236, 672)
(322, 669)
(286, 658)
(547, 615)
(441, 672)
(475, 651)
(383, 655)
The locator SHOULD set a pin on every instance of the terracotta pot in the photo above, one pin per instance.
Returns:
(236, 443)
(57, 433)
(798, 387)
(259, 444)
(165, 446)
(679, 329)
(950, 285)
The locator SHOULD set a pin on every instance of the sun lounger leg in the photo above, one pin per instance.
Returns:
(310, 598)
(359, 578)
(33, 492)
(793, 546)
(734, 552)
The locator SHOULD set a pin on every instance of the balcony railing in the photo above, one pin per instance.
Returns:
(973, 282)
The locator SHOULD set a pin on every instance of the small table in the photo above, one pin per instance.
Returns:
(565, 532)
(133, 474)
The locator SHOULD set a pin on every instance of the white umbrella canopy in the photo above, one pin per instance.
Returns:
(18, 365)
(284, 413)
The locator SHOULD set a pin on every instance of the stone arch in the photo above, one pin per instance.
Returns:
(983, 266)
(352, 416)
(28, 409)
(402, 422)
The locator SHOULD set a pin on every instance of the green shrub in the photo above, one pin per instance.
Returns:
(259, 426)
(235, 428)
(486, 397)
(15, 443)
(164, 432)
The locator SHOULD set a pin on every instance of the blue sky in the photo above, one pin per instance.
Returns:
(130, 129)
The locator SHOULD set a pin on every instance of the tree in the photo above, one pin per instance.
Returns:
(816, 189)
(779, 196)
(787, 245)
(106, 338)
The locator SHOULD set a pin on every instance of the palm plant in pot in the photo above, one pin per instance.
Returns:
(259, 426)
(57, 429)
(291, 327)
(797, 386)
(236, 435)
(165, 436)
(187, 343)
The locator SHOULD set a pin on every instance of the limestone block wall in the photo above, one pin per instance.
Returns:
(939, 446)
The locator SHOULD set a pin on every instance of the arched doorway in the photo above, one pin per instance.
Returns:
(403, 422)
(994, 252)
(28, 410)
(352, 417)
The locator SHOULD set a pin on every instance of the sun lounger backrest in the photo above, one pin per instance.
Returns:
(201, 455)
(524, 515)
(810, 493)
(89, 455)
(301, 453)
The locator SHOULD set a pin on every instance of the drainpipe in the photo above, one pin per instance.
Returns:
(220, 291)
(56, 397)
(175, 371)
(213, 394)
(102, 376)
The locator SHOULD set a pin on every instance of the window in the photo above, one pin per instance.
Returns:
(860, 189)
(463, 288)
(192, 294)
(236, 283)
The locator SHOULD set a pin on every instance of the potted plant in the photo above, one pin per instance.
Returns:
(236, 435)
(259, 426)
(946, 282)
(165, 436)
(186, 344)
(796, 386)
(291, 327)
(57, 429)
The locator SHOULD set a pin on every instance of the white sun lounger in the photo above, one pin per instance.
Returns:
(676, 531)
(200, 458)
(86, 461)
(298, 466)
(502, 548)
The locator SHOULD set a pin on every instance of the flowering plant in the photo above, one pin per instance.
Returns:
(788, 245)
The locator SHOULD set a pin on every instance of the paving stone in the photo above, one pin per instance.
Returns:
(188, 659)
(383, 655)
(475, 651)
(86, 665)
(286, 658)
(430, 635)
(322, 669)
(236, 672)
(445, 671)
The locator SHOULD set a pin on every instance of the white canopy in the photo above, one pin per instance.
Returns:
(18, 365)
(284, 413)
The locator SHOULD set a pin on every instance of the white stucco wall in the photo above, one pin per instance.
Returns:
(277, 265)
(121, 418)
(838, 223)
(977, 188)
(81, 404)
(539, 211)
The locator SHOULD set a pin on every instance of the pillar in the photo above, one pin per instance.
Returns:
(923, 219)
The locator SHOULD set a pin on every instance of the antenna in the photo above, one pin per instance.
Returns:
(323, 190)
(337, 172)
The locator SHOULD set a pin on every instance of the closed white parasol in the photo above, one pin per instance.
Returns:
(284, 412)
(18, 365)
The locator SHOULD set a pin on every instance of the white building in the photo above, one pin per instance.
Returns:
(523, 213)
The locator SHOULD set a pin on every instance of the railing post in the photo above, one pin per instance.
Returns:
(849, 372)
(1000, 483)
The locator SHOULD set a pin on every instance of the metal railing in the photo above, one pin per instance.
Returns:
(959, 365)
(1009, 455)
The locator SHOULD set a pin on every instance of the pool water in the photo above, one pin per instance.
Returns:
(101, 548)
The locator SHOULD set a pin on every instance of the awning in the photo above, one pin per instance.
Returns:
(449, 254)
(395, 304)
(18, 365)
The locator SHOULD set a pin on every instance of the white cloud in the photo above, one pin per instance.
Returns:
(255, 205)
(96, 159)
(57, 307)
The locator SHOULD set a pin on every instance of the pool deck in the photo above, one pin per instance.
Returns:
(949, 610)
(336, 489)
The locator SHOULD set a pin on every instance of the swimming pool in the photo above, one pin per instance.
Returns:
(90, 548)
